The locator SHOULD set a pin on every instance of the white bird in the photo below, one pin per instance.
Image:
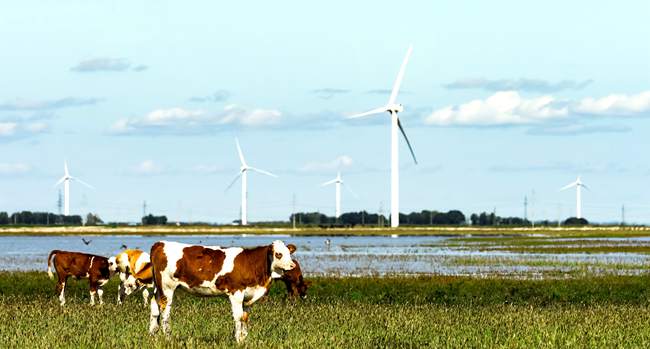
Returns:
(66, 187)
(243, 173)
(393, 109)
(578, 184)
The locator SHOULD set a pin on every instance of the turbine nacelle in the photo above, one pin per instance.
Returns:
(395, 108)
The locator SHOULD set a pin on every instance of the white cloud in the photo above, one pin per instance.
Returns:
(67, 102)
(340, 162)
(179, 120)
(522, 84)
(147, 167)
(104, 64)
(14, 169)
(7, 128)
(502, 108)
(615, 105)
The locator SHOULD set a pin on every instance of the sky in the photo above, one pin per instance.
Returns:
(502, 100)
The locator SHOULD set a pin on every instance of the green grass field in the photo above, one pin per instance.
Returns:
(346, 312)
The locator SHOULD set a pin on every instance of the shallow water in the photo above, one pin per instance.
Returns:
(357, 255)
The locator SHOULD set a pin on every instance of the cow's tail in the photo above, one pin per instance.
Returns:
(49, 263)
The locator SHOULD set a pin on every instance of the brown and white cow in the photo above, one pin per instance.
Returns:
(242, 274)
(80, 266)
(136, 273)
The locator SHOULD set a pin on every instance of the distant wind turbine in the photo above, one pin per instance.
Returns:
(243, 173)
(339, 182)
(66, 187)
(578, 184)
(394, 109)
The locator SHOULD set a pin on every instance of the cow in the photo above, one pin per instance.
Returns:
(79, 265)
(293, 280)
(136, 273)
(244, 275)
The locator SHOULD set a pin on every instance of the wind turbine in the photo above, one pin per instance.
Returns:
(393, 109)
(339, 182)
(243, 173)
(66, 187)
(578, 184)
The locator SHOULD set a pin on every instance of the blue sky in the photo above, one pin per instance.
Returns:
(502, 99)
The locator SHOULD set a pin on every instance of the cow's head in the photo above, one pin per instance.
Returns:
(130, 284)
(296, 284)
(281, 258)
(112, 264)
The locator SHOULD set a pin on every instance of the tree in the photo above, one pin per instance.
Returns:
(93, 219)
(576, 221)
(154, 220)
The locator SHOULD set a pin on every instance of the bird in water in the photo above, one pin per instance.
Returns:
(123, 247)
(87, 242)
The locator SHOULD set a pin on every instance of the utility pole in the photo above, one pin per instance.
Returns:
(525, 208)
(380, 216)
(623, 215)
(59, 202)
(144, 208)
(293, 211)
(559, 215)
(431, 217)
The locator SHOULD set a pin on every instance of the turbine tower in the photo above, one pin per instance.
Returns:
(66, 187)
(579, 185)
(339, 182)
(393, 109)
(243, 173)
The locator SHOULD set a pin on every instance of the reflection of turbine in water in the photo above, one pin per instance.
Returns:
(393, 109)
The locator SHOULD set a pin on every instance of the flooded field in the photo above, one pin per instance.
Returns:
(534, 256)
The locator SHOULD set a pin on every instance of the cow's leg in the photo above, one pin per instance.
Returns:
(60, 288)
(155, 312)
(236, 301)
(93, 290)
(169, 296)
(100, 291)
(145, 295)
(121, 293)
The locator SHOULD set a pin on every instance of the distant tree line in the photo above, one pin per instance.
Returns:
(453, 217)
(487, 219)
(154, 220)
(38, 218)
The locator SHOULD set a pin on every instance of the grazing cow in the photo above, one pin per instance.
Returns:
(296, 285)
(79, 265)
(134, 267)
(242, 274)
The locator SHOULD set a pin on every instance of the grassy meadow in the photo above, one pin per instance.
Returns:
(607, 311)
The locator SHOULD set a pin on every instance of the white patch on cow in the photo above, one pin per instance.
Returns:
(142, 260)
(89, 269)
(252, 294)
(112, 264)
(284, 262)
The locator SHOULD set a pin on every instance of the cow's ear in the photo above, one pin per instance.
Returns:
(292, 248)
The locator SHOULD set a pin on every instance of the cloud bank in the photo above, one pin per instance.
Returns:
(523, 84)
(104, 64)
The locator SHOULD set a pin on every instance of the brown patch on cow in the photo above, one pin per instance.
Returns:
(133, 256)
(252, 267)
(199, 264)
(293, 280)
(159, 263)
(145, 275)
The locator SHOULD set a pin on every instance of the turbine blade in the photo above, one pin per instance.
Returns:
(262, 172)
(400, 76)
(370, 112)
(585, 186)
(82, 182)
(570, 185)
(65, 167)
(399, 123)
(241, 154)
(59, 182)
(350, 190)
(328, 182)
(233, 181)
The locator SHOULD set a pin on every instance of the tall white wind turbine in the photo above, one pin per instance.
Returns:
(339, 182)
(579, 185)
(66, 187)
(393, 109)
(243, 173)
